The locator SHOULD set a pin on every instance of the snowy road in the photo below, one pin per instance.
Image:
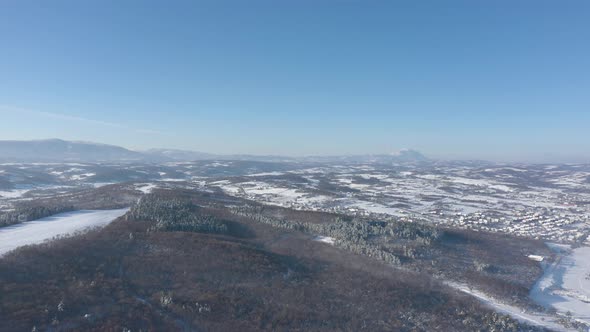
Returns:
(40, 230)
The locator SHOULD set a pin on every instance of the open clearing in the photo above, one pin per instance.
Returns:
(565, 286)
(44, 229)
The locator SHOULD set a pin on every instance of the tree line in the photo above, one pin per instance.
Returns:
(175, 214)
(29, 213)
(355, 235)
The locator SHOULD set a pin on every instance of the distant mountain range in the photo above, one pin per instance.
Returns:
(179, 155)
(403, 156)
(57, 150)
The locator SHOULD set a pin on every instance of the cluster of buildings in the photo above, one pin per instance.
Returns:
(568, 223)
(540, 224)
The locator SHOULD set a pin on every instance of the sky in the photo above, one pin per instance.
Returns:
(499, 80)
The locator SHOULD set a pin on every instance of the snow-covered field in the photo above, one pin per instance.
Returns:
(272, 194)
(532, 318)
(325, 239)
(565, 286)
(38, 231)
(146, 188)
(15, 193)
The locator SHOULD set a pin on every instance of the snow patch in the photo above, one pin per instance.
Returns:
(13, 193)
(325, 239)
(82, 176)
(266, 174)
(146, 188)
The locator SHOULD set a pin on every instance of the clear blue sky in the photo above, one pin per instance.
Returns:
(499, 80)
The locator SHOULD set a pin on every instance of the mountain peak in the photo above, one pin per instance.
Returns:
(408, 155)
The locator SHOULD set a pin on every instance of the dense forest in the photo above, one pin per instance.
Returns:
(178, 261)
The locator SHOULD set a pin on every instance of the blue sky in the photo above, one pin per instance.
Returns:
(497, 80)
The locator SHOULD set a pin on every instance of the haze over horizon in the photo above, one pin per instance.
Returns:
(295, 165)
(454, 80)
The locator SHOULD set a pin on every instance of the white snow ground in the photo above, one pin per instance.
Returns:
(325, 239)
(16, 193)
(41, 230)
(146, 188)
(565, 285)
(532, 318)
